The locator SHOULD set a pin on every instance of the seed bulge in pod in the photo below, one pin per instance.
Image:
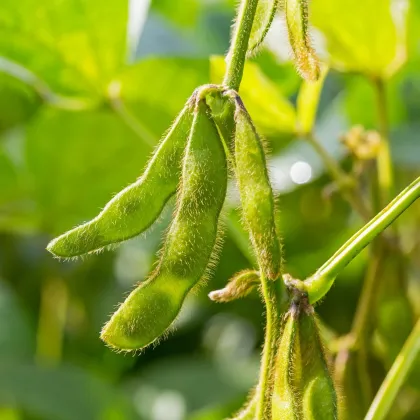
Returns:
(257, 199)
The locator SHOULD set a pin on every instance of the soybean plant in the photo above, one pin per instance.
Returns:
(215, 134)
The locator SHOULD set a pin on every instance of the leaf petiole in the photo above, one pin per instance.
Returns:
(320, 283)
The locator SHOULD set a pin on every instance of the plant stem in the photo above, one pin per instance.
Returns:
(364, 306)
(396, 376)
(272, 295)
(319, 284)
(239, 44)
(384, 161)
(344, 182)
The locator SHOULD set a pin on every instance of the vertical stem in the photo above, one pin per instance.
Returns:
(364, 306)
(396, 376)
(384, 161)
(239, 44)
(271, 292)
(52, 319)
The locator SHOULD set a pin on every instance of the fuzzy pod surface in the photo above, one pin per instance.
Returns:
(288, 370)
(305, 58)
(264, 15)
(319, 397)
(257, 200)
(151, 308)
(248, 412)
(134, 209)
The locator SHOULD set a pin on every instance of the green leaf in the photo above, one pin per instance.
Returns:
(283, 74)
(159, 88)
(65, 393)
(18, 102)
(78, 160)
(8, 179)
(266, 10)
(75, 46)
(359, 90)
(272, 113)
(362, 36)
(307, 102)
(183, 16)
(16, 210)
(17, 339)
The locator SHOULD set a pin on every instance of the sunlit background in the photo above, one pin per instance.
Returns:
(87, 88)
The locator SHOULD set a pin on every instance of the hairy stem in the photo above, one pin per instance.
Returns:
(272, 295)
(319, 284)
(396, 376)
(239, 45)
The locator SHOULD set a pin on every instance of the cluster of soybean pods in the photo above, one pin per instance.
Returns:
(212, 137)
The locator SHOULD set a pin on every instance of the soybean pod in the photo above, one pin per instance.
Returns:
(298, 29)
(319, 397)
(151, 308)
(136, 207)
(248, 412)
(258, 208)
(288, 371)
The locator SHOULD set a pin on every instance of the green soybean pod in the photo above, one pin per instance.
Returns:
(258, 208)
(136, 207)
(298, 29)
(319, 397)
(264, 15)
(288, 371)
(151, 308)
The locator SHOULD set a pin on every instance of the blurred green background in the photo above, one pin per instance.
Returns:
(87, 88)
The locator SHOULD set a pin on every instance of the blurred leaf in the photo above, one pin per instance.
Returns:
(220, 411)
(156, 89)
(406, 146)
(8, 179)
(266, 9)
(66, 393)
(283, 74)
(354, 382)
(413, 32)
(271, 112)
(84, 147)
(359, 91)
(75, 46)
(18, 102)
(185, 15)
(307, 102)
(16, 335)
(83, 161)
(197, 380)
(367, 37)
